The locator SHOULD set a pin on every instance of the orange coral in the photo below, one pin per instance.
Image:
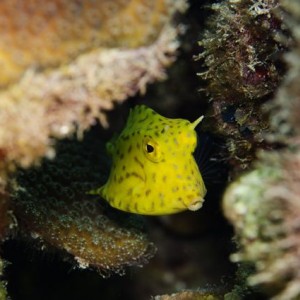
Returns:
(41, 34)
(47, 103)
(81, 229)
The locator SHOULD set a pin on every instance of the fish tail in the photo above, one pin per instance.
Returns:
(95, 191)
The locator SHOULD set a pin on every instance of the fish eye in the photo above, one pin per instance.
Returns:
(149, 148)
(152, 150)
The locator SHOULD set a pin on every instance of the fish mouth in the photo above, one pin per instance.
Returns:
(195, 204)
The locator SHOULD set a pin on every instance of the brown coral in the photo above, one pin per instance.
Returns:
(53, 207)
(263, 205)
(241, 50)
(242, 68)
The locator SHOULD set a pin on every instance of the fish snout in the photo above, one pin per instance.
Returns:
(195, 204)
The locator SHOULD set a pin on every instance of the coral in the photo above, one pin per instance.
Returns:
(240, 63)
(89, 71)
(52, 206)
(286, 105)
(243, 129)
(241, 289)
(59, 94)
(63, 63)
(64, 29)
(263, 205)
(241, 55)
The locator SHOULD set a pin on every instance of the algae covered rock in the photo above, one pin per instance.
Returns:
(263, 205)
(242, 66)
(241, 50)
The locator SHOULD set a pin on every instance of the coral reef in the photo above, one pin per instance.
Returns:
(56, 211)
(263, 205)
(243, 206)
(57, 95)
(241, 55)
(284, 120)
(240, 64)
(66, 29)
(62, 67)
(63, 84)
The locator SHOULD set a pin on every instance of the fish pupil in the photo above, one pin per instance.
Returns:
(149, 148)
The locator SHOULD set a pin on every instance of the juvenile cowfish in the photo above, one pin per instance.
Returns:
(153, 169)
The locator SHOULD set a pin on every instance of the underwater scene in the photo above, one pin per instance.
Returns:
(149, 149)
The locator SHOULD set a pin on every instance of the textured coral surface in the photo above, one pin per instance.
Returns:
(241, 56)
(53, 207)
(40, 34)
(263, 205)
(64, 80)
(62, 64)
(82, 83)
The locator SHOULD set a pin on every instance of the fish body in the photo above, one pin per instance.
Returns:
(153, 169)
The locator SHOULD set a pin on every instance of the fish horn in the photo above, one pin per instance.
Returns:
(195, 123)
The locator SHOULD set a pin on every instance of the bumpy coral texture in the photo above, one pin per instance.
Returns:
(241, 58)
(64, 29)
(239, 62)
(263, 208)
(285, 123)
(103, 53)
(63, 64)
(52, 206)
(264, 204)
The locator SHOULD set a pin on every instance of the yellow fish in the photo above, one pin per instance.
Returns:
(153, 170)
